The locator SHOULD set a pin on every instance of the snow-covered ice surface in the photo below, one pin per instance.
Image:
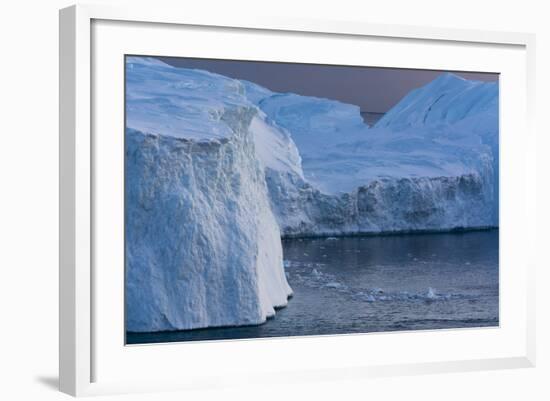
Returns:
(203, 248)
(218, 169)
(431, 163)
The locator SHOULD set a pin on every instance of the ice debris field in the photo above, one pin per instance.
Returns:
(218, 170)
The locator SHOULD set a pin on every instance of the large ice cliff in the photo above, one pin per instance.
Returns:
(203, 248)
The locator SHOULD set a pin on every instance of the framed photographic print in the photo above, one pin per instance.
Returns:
(310, 199)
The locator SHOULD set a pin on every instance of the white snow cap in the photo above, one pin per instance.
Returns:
(179, 102)
(447, 99)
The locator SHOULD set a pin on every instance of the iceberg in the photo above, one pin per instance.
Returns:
(203, 247)
(219, 169)
(430, 164)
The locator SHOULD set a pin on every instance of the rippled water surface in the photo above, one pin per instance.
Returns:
(370, 284)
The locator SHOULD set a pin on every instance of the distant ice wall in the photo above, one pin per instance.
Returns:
(431, 163)
(454, 110)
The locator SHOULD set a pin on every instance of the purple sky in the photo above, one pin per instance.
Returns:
(373, 89)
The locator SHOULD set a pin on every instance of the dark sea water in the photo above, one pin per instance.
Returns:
(377, 283)
(371, 118)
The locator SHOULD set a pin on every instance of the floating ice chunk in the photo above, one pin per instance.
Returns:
(430, 294)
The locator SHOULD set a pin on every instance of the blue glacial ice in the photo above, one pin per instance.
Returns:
(218, 169)
(202, 245)
(431, 163)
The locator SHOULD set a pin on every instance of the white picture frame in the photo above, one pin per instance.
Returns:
(82, 343)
